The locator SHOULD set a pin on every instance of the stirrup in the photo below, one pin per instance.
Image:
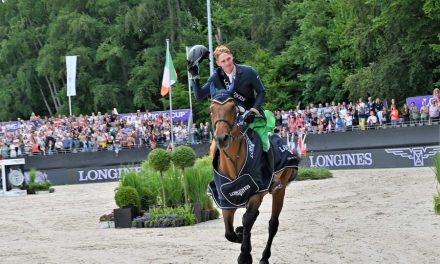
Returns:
(275, 186)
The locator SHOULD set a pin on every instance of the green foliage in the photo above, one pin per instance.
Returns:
(184, 212)
(197, 179)
(183, 156)
(141, 183)
(32, 175)
(437, 203)
(436, 162)
(32, 187)
(437, 174)
(127, 197)
(305, 51)
(159, 159)
(173, 188)
(313, 174)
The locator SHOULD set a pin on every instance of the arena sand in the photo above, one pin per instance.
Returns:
(359, 216)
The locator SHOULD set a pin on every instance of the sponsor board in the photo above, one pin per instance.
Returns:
(372, 158)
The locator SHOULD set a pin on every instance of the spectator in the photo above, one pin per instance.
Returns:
(436, 95)
(424, 112)
(414, 113)
(434, 111)
(372, 121)
(394, 115)
(405, 114)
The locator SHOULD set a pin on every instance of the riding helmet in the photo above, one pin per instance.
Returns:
(196, 55)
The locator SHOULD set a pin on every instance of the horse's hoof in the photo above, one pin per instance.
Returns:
(244, 259)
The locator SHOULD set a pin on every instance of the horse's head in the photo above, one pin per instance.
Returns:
(223, 118)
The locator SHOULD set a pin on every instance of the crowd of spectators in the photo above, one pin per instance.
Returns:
(114, 132)
(95, 132)
(372, 114)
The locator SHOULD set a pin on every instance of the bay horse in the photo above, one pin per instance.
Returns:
(232, 151)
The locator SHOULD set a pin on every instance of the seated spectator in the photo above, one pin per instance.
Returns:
(372, 121)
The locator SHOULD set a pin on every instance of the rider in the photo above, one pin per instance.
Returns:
(242, 81)
(245, 86)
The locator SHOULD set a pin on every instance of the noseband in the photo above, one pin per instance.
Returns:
(222, 99)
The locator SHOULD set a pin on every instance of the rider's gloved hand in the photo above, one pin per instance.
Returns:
(194, 71)
(249, 117)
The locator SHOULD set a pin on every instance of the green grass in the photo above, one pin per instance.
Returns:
(437, 175)
(313, 174)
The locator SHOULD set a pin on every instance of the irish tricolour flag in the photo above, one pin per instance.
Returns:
(169, 74)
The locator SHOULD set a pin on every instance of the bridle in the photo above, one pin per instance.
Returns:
(230, 125)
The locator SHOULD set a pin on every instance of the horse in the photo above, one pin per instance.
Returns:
(232, 148)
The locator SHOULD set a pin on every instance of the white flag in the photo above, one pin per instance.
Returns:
(71, 75)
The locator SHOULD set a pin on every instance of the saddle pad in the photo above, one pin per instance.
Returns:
(232, 194)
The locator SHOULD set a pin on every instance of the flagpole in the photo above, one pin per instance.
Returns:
(170, 97)
(211, 54)
(190, 100)
(70, 106)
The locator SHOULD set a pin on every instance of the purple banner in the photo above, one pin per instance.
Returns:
(419, 99)
(178, 115)
(9, 126)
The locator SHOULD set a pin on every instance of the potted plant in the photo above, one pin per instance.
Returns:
(160, 159)
(128, 201)
(107, 220)
(183, 157)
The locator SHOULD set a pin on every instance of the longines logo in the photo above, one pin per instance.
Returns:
(417, 154)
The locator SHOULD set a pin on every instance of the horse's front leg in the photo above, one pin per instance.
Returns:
(249, 218)
(228, 218)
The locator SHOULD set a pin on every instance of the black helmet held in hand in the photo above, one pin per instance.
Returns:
(196, 55)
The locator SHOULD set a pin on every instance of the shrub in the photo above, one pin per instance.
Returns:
(139, 181)
(173, 187)
(32, 187)
(197, 179)
(313, 174)
(169, 217)
(183, 157)
(159, 159)
(127, 197)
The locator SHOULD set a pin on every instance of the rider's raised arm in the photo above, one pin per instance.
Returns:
(201, 92)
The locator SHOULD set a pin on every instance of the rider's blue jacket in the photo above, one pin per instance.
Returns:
(247, 88)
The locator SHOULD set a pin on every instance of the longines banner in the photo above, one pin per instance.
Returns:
(372, 158)
(385, 148)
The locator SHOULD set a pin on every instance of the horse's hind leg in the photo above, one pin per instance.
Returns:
(277, 206)
(249, 218)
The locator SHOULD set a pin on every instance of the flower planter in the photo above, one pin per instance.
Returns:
(107, 224)
(197, 212)
(125, 216)
(212, 214)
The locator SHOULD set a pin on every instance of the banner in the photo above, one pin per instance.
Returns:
(177, 115)
(71, 75)
(419, 99)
